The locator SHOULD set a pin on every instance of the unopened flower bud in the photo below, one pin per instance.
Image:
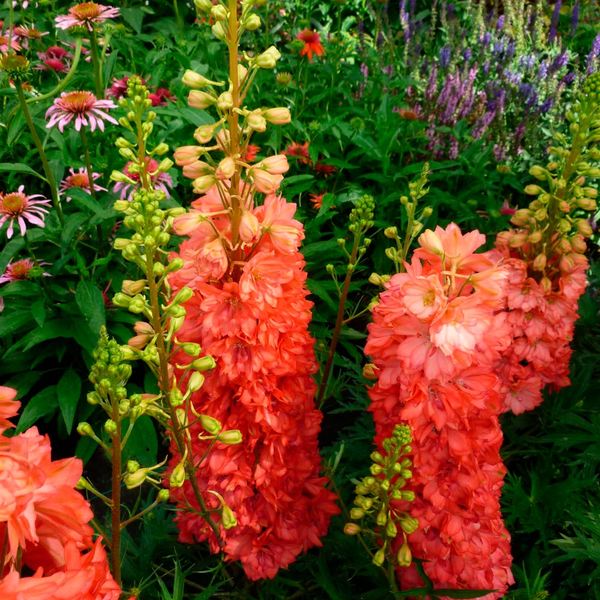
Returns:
(404, 557)
(131, 288)
(135, 478)
(210, 424)
(206, 363)
(390, 529)
(219, 31)
(275, 165)
(539, 262)
(85, 429)
(225, 101)
(533, 190)
(584, 228)
(163, 495)
(230, 437)
(219, 12)
(379, 557)
(203, 183)
(228, 517)
(268, 59)
(196, 381)
(177, 477)
(351, 529)
(203, 5)
(175, 397)
(252, 23)
(409, 524)
(256, 121)
(201, 100)
(357, 513)
(277, 116)
(225, 169)
(370, 371)
(110, 427)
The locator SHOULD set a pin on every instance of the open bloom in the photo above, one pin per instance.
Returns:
(82, 106)
(19, 207)
(19, 270)
(312, 44)
(80, 179)
(86, 14)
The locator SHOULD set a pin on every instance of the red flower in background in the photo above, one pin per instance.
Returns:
(299, 152)
(251, 152)
(312, 44)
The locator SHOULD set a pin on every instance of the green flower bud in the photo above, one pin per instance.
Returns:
(210, 424)
(163, 495)
(177, 477)
(206, 363)
(228, 517)
(230, 437)
(110, 427)
(85, 429)
(351, 529)
(379, 557)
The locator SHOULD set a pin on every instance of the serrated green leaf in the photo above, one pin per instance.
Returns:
(68, 391)
(42, 404)
(91, 303)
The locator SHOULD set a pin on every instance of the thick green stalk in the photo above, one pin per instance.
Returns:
(40, 148)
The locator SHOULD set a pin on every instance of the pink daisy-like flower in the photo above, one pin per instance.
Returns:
(55, 59)
(118, 89)
(82, 106)
(19, 207)
(80, 179)
(86, 14)
(160, 181)
(19, 270)
(7, 44)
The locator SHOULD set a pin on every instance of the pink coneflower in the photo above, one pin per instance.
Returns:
(19, 270)
(23, 33)
(6, 44)
(160, 181)
(82, 106)
(18, 206)
(55, 59)
(86, 14)
(80, 179)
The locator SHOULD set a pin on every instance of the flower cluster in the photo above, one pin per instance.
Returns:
(249, 310)
(436, 336)
(44, 521)
(252, 316)
(545, 253)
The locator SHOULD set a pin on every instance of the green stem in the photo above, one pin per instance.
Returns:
(233, 121)
(97, 64)
(116, 494)
(139, 515)
(178, 16)
(40, 148)
(338, 322)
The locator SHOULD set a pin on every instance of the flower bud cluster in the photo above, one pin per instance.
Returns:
(377, 496)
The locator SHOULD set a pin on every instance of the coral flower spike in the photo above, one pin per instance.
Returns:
(312, 43)
(86, 14)
(19, 207)
(82, 106)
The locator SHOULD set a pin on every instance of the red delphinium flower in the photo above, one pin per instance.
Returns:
(86, 14)
(161, 96)
(312, 44)
(436, 336)
(44, 521)
(542, 321)
(299, 152)
(79, 179)
(161, 181)
(22, 208)
(82, 106)
(251, 153)
(252, 316)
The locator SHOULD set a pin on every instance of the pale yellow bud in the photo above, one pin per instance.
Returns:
(225, 169)
(256, 121)
(231, 437)
(268, 59)
(225, 101)
(277, 116)
(204, 183)
(131, 288)
(177, 477)
(201, 100)
(210, 424)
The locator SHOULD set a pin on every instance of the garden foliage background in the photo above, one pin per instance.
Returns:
(398, 84)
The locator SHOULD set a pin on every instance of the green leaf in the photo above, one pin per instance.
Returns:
(10, 251)
(91, 303)
(41, 405)
(133, 17)
(72, 225)
(38, 312)
(142, 444)
(20, 168)
(68, 390)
